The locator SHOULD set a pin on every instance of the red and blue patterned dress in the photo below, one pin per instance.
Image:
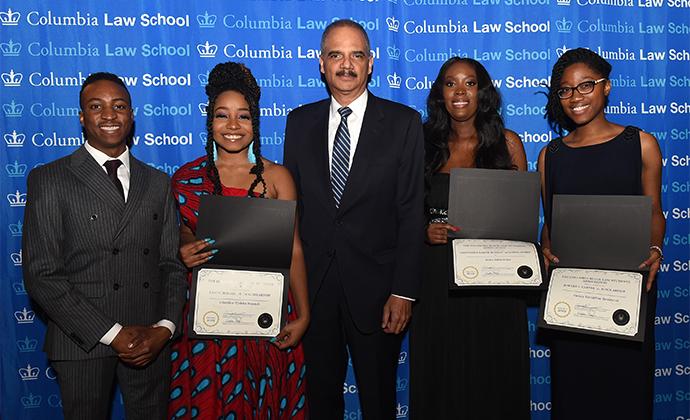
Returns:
(233, 378)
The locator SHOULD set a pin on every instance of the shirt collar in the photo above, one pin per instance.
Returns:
(358, 106)
(102, 158)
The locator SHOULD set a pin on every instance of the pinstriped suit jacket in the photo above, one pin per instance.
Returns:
(91, 260)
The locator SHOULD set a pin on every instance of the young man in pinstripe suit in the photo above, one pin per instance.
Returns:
(100, 248)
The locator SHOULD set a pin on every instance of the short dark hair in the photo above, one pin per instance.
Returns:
(554, 111)
(101, 75)
(342, 23)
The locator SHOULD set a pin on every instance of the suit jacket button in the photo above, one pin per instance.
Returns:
(155, 216)
(115, 251)
(146, 251)
(116, 286)
(146, 285)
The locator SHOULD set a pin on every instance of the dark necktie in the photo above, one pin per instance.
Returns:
(340, 165)
(111, 166)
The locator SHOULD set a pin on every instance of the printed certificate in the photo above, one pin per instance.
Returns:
(494, 262)
(229, 302)
(596, 300)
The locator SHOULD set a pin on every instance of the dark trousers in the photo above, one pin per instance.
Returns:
(374, 356)
(87, 387)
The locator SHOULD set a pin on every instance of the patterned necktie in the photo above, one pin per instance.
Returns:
(340, 165)
(111, 166)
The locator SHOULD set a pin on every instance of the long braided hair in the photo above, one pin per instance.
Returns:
(238, 78)
(492, 150)
(557, 119)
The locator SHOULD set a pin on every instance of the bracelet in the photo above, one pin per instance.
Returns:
(658, 249)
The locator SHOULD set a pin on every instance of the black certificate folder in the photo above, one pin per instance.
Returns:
(242, 292)
(600, 242)
(497, 212)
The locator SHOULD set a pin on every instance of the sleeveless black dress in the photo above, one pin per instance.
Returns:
(469, 351)
(593, 377)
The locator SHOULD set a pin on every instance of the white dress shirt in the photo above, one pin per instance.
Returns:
(123, 175)
(354, 127)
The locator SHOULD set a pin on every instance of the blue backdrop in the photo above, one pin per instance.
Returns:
(164, 49)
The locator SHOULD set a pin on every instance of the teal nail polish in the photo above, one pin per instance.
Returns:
(214, 251)
(210, 241)
(210, 257)
(273, 340)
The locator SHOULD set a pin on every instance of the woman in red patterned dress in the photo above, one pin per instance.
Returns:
(237, 378)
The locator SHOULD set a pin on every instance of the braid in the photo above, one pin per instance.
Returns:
(211, 170)
(257, 170)
(555, 115)
(234, 77)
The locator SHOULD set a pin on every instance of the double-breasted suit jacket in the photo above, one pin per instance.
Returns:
(91, 260)
(377, 232)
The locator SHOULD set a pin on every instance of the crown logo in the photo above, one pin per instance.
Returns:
(402, 358)
(16, 228)
(15, 170)
(393, 52)
(203, 106)
(401, 411)
(206, 20)
(564, 26)
(24, 316)
(401, 384)
(12, 79)
(13, 109)
(207, 50)
(393, 23)
(27, 345)
(394, 80)
(31, 401)
(29, 373)
(10, 49)
(16, 258)
(17, 199)
(15, 139)
(203, 78)
(563, 2)
(9, 18)
(561, 50)
(19, 288)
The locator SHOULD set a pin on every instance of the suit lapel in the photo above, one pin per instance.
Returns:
(95, 178)
(366, 149)
(319, 148)
(137, 187)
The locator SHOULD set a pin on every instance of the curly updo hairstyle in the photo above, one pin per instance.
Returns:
(238, 78)
(557, 119)
(492, 150)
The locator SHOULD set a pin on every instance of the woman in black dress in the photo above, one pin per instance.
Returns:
(596, 378)
(468, 350)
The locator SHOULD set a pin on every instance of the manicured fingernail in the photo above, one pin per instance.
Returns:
(215, 251)
(210, 257)
(210, 241)
(273, 340)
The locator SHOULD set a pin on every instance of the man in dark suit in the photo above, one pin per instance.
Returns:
(100, 248)
(357, 161)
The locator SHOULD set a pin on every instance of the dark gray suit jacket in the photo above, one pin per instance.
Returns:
(91, 260)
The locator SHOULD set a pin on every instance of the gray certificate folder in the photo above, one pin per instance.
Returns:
(494, 204)
(601, 231)
(251, 234)
(606, 232)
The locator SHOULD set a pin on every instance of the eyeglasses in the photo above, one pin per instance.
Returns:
(584, 88)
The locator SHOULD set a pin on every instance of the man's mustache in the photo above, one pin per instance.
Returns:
(350, 73)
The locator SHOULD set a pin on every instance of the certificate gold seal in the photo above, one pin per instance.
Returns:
(470, 272)
(211, 318)
(561, 309)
